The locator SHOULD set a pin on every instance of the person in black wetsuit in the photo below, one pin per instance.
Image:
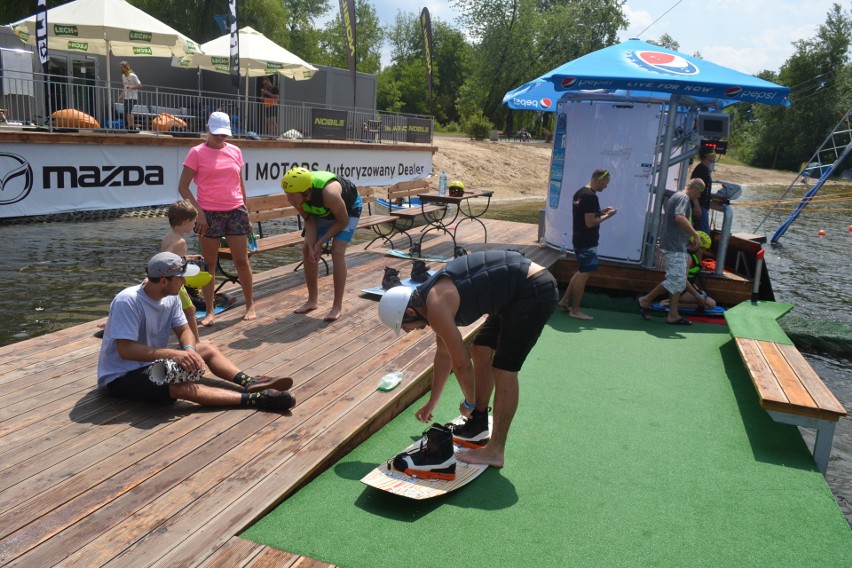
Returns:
(519, 297)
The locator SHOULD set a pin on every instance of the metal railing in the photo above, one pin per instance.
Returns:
(164, 110)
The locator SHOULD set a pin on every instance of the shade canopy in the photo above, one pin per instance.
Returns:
(637, 69)
(100, 26)
(259, 56)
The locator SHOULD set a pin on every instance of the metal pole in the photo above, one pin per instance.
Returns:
(651, 237)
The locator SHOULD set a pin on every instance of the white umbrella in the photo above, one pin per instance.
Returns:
(259, 56)
(104, 27)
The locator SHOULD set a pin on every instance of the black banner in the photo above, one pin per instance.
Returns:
(426, 32)
(418, 130)
(41, 33)
(347, 20)
(235, 44)
(329, 124)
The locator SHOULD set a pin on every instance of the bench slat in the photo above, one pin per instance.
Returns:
(764, 380)
(817, 390)
(795, 393)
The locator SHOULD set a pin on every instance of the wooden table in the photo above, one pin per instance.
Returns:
(440, 220)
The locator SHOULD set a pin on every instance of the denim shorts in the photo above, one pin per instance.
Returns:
(344, 236)
(222, 223)
(587, 259)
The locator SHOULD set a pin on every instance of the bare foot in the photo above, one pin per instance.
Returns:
(580, 316)
(306, 307)
(250, 314)
(208, 320)
(482, 455)
(333, 314)
(563, 306)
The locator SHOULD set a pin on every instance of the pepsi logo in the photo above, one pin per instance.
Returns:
(568, 82)
(733, 92)
(546, 103)
(663, 62)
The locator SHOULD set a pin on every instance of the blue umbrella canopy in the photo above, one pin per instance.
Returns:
(637, 69)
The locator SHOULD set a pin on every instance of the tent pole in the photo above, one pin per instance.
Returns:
(662, 178)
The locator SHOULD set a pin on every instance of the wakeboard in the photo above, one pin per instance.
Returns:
(691, 310)
(387, 479)
(407, 255)
(222, 303)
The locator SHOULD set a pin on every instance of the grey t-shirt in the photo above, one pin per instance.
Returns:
(136, 316)
(673, 238)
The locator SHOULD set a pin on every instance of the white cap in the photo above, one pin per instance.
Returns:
(392, 306)
(219, 123)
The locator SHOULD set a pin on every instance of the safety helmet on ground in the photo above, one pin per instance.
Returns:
(704, 240)
(392, 307)
(297, 180)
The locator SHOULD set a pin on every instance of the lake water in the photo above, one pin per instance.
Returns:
(54, 275)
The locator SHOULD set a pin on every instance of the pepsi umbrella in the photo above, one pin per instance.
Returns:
(637, 69)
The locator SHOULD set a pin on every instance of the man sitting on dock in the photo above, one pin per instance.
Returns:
(136, 363)
(519, 297)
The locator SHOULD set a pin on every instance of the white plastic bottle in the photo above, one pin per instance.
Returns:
(442, 183)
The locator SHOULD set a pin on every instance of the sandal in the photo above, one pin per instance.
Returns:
(681, 321)
(643, 311)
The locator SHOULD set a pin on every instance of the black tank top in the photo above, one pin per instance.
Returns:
(487, 282)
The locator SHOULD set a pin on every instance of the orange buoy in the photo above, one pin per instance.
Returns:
(73, 118)
(165, 122)
(850, 228)
(821, 233)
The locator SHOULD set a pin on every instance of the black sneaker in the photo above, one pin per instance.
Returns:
(419, 271)
(434, 458)
(391, 278)
(257, 384)
(473, 432)
(272, 400)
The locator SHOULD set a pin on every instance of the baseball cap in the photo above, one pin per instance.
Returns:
(219, 123)
(167, 264)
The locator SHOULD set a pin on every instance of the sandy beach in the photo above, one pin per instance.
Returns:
(516, 170)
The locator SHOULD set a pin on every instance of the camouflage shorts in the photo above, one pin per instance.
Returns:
(221, 223)
(168, 372)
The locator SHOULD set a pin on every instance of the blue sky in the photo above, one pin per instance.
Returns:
(746, 35)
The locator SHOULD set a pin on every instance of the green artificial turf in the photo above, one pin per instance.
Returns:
(635, 444)
(758, 321)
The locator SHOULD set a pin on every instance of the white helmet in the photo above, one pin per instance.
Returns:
(392, 306)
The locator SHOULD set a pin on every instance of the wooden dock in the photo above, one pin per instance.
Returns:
(86, 480)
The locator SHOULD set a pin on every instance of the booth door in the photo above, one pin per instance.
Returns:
(622, 138)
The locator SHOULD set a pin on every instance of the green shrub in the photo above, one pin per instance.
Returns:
(477, 126)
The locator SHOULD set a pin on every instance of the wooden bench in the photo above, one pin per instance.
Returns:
(791, 391)
(401, 193)
(261, 209)
(277, 206)
(384, 225)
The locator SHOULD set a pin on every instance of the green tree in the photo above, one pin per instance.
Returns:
(451, 56)
(517, 40)
(818, 74)
(369, 34)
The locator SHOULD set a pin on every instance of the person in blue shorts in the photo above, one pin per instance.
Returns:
(588, 217)
(331, 208)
